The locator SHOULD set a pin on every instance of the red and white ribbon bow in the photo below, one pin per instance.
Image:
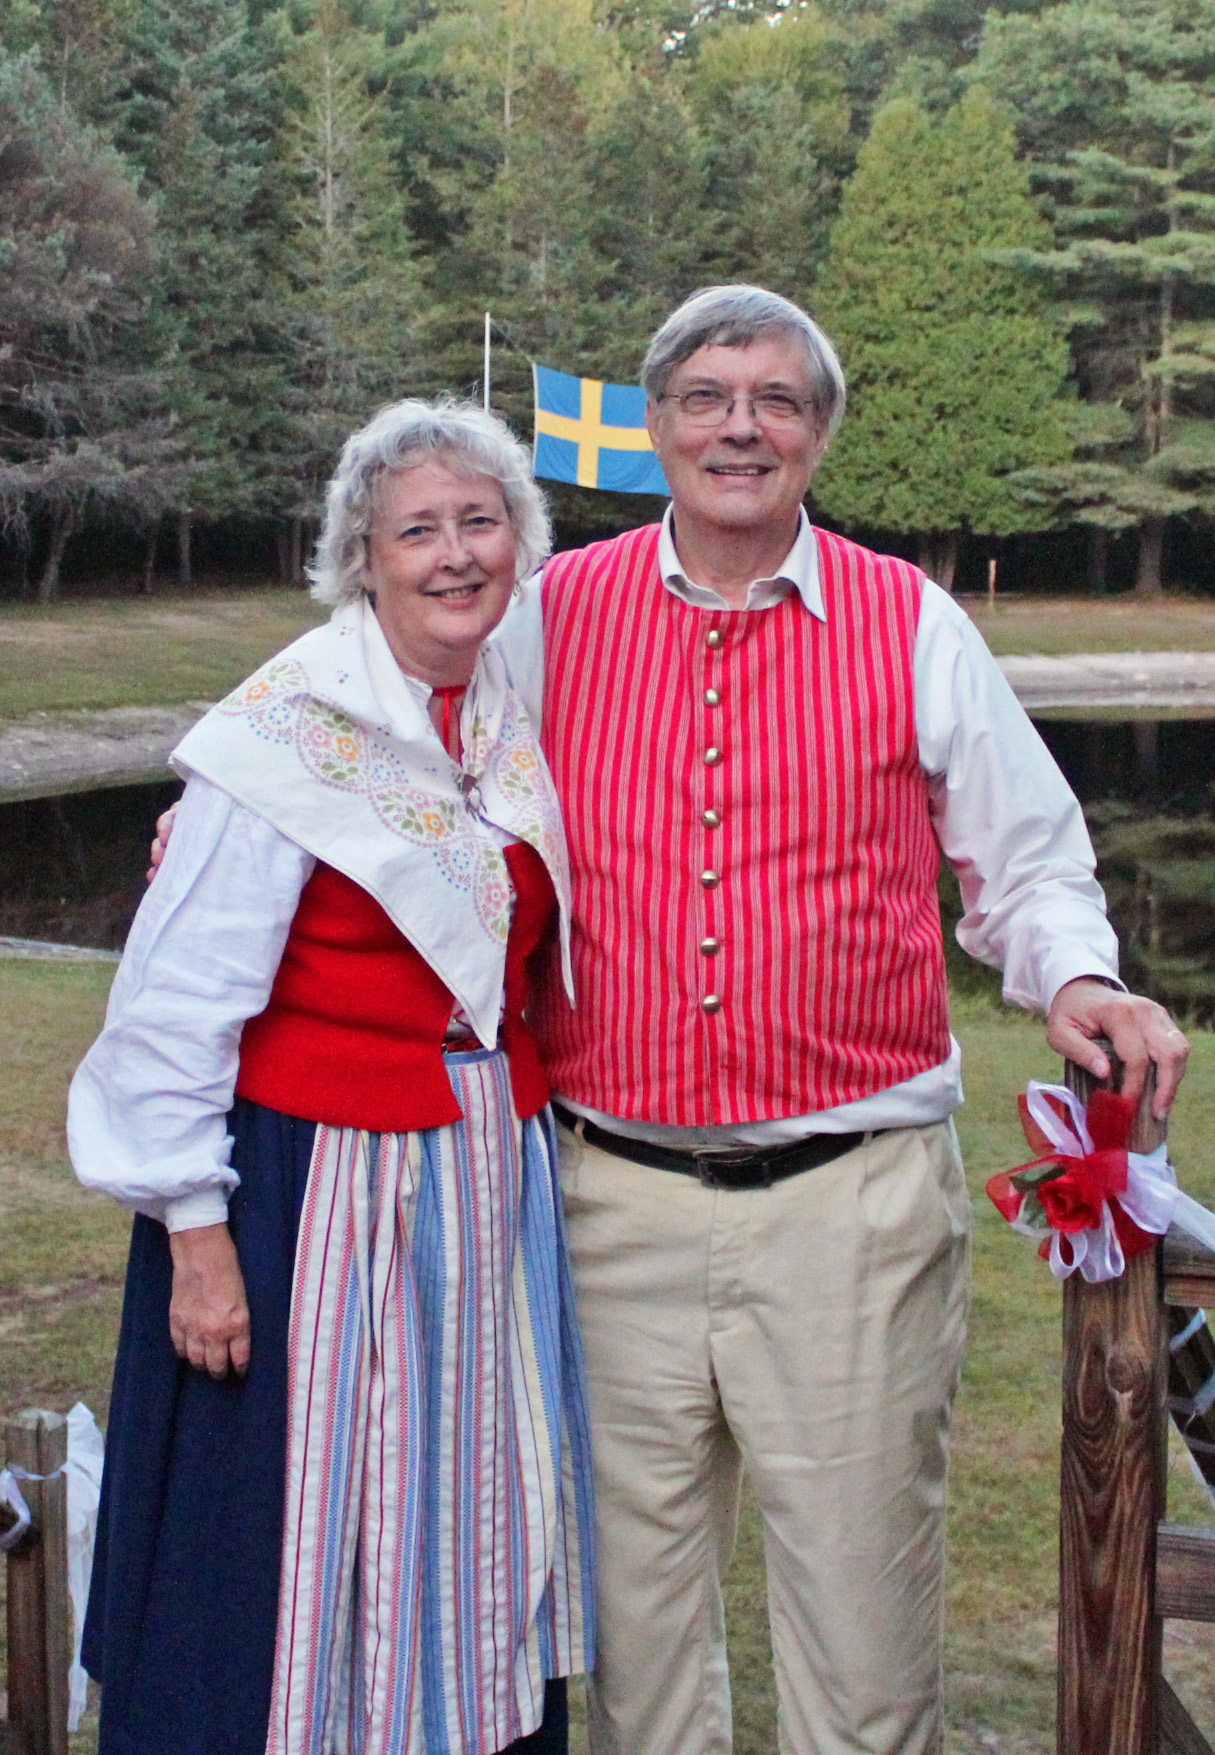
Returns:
(1093, 1204)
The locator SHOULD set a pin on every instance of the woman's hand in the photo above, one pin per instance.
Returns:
(164, 828)
(208, 1313)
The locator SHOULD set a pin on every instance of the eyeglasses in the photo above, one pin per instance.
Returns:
(709, 408)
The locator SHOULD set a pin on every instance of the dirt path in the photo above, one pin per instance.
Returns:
(48, 753)
(1137, 681)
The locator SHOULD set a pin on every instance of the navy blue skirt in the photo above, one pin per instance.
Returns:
(184, 1600)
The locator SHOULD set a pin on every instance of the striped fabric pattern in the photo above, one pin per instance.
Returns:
(438, 1528)
(822, 886)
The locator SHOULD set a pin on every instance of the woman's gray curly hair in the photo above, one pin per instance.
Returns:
(467, 439)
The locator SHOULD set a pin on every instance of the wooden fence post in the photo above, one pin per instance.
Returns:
(1112, 1495)
(39, 1607)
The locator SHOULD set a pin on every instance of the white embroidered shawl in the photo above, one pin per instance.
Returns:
(328, 744)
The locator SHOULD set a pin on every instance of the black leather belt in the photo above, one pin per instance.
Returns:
(732, 1167)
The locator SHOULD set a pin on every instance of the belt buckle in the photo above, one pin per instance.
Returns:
(707, 1158)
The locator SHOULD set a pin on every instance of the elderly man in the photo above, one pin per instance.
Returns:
(763, 737)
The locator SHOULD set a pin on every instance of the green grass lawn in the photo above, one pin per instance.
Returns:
(142, 652)
(1055, 626)
(62, 1250)
(146, 652)
(61, 1263)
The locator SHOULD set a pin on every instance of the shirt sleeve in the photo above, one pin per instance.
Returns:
(147, 1107)
(519, 637)
(1008, 823)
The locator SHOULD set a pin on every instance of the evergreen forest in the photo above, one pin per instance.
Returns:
(230, 229)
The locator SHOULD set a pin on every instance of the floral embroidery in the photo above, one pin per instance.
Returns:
(266, 699)
(278, 704)
(331, 745)
(514, 767)
(404, 807)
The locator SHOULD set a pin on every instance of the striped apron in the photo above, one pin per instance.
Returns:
(437, 1544)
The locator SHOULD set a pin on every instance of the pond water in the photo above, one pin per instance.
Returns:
(1168, 764)
(72, 868)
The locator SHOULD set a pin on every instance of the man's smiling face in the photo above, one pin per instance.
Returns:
(740, 475)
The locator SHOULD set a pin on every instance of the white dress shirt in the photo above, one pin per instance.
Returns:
(1007, 822)
(147, 1105)
(147, 1108)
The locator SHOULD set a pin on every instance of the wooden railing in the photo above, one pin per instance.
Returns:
(39, 1608)
(1132, 1349)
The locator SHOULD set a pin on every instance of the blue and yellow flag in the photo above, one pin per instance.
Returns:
(593, 434)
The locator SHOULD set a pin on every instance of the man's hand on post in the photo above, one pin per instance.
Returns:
(1140, 1030)
(164, 828)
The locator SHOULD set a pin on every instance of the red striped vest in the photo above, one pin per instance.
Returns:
(352, 1034)
(786, 824)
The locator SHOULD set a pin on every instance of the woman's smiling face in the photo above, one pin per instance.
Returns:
(441, 563)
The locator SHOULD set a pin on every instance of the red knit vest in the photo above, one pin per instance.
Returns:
(818, 884)
(352, 1034)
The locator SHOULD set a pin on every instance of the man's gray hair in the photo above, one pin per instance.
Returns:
(735, 316)
(466, 439)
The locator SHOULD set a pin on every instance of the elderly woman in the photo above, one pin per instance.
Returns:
(346, 1502)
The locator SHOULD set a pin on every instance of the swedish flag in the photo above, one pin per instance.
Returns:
(593, 434)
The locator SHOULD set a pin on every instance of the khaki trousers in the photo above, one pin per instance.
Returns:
(810, 1333)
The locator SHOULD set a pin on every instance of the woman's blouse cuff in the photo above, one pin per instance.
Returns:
(190, 1212)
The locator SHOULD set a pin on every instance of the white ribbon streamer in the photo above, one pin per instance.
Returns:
(86, 1449)
(1195, 1219)
(86, 1453)
(12, 1496)
(1196, 1322)
(1203, 1400)
(1151, 1198)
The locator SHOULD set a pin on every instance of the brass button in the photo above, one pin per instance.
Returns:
(714, 638)
(711, 819)
(710, 879)
(712, 697)
(710, 1003)
(712, 756)
(709, 947)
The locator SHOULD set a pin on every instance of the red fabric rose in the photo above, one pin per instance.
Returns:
(1073, 1201)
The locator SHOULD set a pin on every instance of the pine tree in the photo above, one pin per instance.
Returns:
(527, 82)
(776, 122)
(955, 375)
(78, 408)
(350, 288)
(79, 43)
(649, 229)
(1115, 104)
(194, 110)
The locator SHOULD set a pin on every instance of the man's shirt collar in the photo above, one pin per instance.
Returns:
(798, 572)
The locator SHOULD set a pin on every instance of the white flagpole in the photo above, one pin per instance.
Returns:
(487, 362)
